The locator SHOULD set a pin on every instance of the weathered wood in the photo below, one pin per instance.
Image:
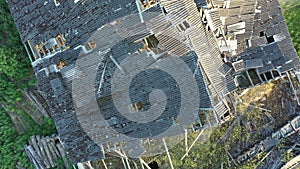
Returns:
(144, 163)
(62, 154)
(169, 157)
(88, 163)
(104, 164)
(15, 120)
(43, 154)
(33, 142)
(36, 102)
(52, 152)
(53, 146)
(35, 157)
(192, 145)
(47, 151)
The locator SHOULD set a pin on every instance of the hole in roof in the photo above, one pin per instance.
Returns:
(153, 165)
(262, 33)
(270, 39)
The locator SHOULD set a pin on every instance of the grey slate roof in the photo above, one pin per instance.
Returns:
(116, 30)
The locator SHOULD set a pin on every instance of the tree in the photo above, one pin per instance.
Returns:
(15, 76)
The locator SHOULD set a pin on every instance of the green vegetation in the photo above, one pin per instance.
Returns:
(287, 156)
(202, 155)
(291, 11)
(235, 136)
(215, 152)
(15, 76)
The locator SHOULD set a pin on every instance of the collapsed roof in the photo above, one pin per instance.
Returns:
(218, 41)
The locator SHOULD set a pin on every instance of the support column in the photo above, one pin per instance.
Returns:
(89, 164)
(216, 116)
(134, 164)
(272, 75)
(144, 164)
(169, 157)
(185, 140)
(258, 75)
(295, 93)
(123, 161)
(30, 58)
(265, 77)
(192, 144)
(207, 119)
(249, 77)
(104, 164)
(127, 161)
(123, 156)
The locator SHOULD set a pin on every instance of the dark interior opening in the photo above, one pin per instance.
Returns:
(31, 55)
(262, 33)
(270, 39)
(247, 42)
(181, 27)
(139, 106)
(223, 55)
(164, 10)
(186, 24)
(254, 77)
(275, 73)
(153, 165)
(152, 41)
(262, 77)
(268, 75)
(202, 117)
(226, 114)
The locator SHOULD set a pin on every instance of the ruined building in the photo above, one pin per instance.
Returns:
(174, 55)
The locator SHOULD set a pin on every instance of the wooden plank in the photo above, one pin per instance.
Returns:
(52, 151)
(53, 145)
(43, 154)
(62, 154)
(33, 142)
(47, 151)
(34, 157)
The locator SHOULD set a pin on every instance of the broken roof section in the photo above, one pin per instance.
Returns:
(263, 35)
